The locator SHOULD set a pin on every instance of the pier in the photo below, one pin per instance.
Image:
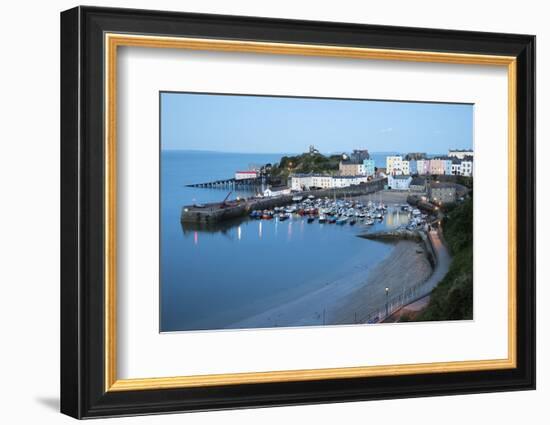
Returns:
(231, 183)
(215, 212)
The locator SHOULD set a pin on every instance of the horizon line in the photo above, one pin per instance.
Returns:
(300, 153)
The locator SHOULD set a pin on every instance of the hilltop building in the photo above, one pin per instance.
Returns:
(313, 150)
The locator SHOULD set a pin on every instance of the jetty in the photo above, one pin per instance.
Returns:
(231, 183)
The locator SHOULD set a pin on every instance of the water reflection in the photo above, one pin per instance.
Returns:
(220, 227)
(395, 217)
(232, 228)
(289, 234)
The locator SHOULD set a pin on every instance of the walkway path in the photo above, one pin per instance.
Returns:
(441, 269)
(443, 260)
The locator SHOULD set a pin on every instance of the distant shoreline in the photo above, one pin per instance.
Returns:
(281, 153)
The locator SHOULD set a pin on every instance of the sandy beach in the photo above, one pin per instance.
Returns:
(406, 266)
(349, 299)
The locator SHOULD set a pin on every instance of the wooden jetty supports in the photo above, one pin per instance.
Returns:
(230, 183)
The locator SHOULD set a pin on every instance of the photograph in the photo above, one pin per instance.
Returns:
(281, 212)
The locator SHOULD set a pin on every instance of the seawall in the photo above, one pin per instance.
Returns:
(216, 212)
(403, 234)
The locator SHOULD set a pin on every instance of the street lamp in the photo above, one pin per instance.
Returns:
(387, 293)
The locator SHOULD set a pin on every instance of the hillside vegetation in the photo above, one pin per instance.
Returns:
(305, 163)
(452, 299)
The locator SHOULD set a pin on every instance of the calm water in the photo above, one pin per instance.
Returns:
(212, 279)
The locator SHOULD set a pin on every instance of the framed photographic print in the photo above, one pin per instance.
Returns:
(261, 212)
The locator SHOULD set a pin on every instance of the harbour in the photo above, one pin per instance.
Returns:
(247, 266)
(290, 260)
(228, 209)
(344, 228)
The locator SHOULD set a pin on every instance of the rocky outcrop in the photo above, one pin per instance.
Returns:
(389, 235)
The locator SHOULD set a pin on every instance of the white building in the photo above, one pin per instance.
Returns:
(460, 153)
(277, 191)
(324, 181)
(456, 168)
(399, 182)
(310, 181)
(345, 181)
(405, 167)
(241, 175)
(467, 168)
(394, 165)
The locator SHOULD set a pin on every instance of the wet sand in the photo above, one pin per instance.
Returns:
(349, 299)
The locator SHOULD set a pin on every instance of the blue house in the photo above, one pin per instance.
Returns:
(368, 167)
(413, 168)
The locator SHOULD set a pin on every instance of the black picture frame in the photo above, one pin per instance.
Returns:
(83, 392)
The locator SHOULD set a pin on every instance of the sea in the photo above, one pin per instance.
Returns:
(213, 278)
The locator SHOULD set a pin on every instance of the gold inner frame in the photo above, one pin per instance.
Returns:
(113, 41)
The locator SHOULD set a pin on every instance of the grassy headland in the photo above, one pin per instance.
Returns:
(452, 299)
(305, 163)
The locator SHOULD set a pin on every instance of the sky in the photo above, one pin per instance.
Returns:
(256, 124)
